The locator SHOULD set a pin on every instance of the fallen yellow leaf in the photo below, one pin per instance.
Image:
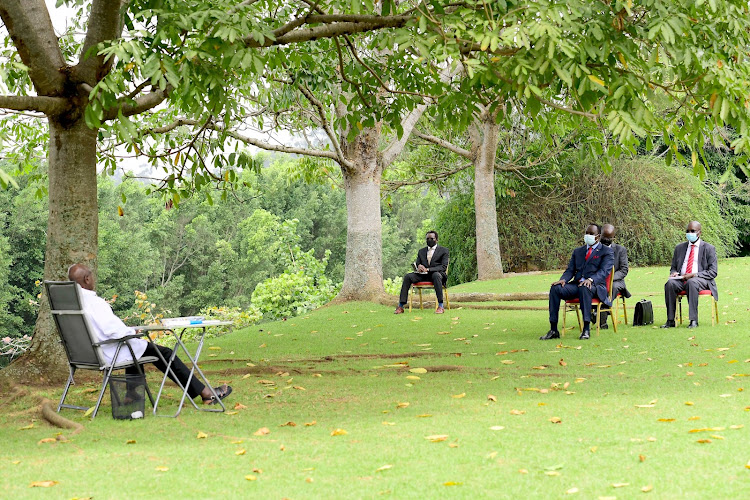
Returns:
(201, 435)
(452, 483)
(130, 441)
(648, 488)
(47, 440)
(418, 370)
(497, 428)
(571, 491)
(555, 420)
(288, 424)
(239, 406)
(42, 484)
(389, 423)
(384, 467)
(459, 396)
(517, 412)
(436, 438)
(620, 485)
(262, 431)
(250, 477)
(240, 452)
(162, 468)
(490, 397)
(339, 432)
(402, 405)
(413, 377)
(310, 424)
(30, 426)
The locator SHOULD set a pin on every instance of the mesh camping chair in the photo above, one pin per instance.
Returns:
(81, 345)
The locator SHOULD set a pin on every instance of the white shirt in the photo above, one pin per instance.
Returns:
(697, 246)
(107, 326)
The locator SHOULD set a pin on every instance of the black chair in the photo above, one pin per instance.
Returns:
(81, 345)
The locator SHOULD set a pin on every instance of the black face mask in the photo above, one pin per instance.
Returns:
(431, 242)
(606, 241)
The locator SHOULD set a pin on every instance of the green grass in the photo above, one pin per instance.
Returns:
(359, 350)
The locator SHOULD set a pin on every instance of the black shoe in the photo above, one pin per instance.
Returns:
(552, 334)
(585, 334)
(605, 326)
(668, 324)
(693, 324)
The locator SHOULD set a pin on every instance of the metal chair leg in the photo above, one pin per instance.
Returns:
(67, 386)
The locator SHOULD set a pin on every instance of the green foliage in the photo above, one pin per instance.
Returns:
(649, 203)
(302, 286)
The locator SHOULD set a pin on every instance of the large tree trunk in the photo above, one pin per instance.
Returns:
(484, 135)
(363, 272)
(72, 233)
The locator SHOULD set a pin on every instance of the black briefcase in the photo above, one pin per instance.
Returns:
(644, 313)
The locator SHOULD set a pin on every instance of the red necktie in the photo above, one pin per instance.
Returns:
(689, 268)
(589, 253)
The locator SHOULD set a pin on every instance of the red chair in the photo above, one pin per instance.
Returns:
(418, 286)
(573, 305)
(702, 293)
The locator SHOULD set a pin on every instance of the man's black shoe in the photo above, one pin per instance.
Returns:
(693, 324)
(668, 324)
(585, 334)
(552, 334)
(605, 326)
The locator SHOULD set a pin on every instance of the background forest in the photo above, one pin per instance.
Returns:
(276, 246)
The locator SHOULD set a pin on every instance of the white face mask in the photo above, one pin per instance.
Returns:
(589, 239)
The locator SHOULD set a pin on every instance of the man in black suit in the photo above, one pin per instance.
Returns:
(431, 265)
(584, 279)
(621, 268)
(694, 268)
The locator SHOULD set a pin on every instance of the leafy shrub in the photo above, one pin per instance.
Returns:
(302, 286)
(392, 286)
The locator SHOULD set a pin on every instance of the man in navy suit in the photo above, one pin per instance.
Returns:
(694, 268)
(431, 265)
(584, 279)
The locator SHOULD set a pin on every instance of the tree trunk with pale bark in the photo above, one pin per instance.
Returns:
(72, 237)
(484, 136)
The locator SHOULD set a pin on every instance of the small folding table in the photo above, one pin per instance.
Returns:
(177, 327)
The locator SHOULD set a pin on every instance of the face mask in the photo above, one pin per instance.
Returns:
(691, 237)
(589, 239)
(606, 241)
(431, 242)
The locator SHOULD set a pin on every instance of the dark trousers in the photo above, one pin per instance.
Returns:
(693, 286)
(178, 367)
(617, 287)
(411, 278)
(566, 292)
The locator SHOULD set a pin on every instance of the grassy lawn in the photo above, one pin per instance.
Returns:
(508, 416)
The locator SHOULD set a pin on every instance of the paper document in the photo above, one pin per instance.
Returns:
(414, 264)
(676, 277)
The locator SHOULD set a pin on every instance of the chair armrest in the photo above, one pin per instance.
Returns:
(121, 339)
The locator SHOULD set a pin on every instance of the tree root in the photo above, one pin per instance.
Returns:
(54, 418)
(46, 407)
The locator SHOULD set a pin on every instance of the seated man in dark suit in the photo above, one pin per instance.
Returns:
(431, 265)
(694, 268)
(585, 278)
(621, 268)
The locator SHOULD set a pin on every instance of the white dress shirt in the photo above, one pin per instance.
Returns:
(107, 326)
(430, 252)
(697, 246)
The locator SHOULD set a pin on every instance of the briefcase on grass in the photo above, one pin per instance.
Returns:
(644, 313)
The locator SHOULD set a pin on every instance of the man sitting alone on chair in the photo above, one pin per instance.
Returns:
(694, 268)
(107, 326)
(584, 279)
(431, 265)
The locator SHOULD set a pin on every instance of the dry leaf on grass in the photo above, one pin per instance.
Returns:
(201, 435)
(384, 467)
(436, 438)
(497, 428)
(250, 477)
(418, 370)
(240, 452)
(339, 432)
(459, 396)
(571, 491)
(555, 420)
(452, 483)
(517, 412)
(43, 484)
(239, 406)
(648, 488)
(162, 468)
(262, 431)
(402, 405)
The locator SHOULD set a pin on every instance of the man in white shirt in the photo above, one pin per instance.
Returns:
(694, 268)
(107, 326)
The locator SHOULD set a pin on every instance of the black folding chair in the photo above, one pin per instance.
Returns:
(81, 345)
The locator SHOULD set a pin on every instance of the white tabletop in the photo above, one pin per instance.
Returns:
(203, 324)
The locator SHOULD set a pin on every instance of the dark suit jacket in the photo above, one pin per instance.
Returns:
(708, 266)
(621, 268)
(597, 268)
(439, 263)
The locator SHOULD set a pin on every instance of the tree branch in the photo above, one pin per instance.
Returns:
(42, 104)
(407, 124)
(30, 27)
(105, 23)
(394, 185)
(340, 158)
(139, 105)
(330, 26)
(445, 144)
